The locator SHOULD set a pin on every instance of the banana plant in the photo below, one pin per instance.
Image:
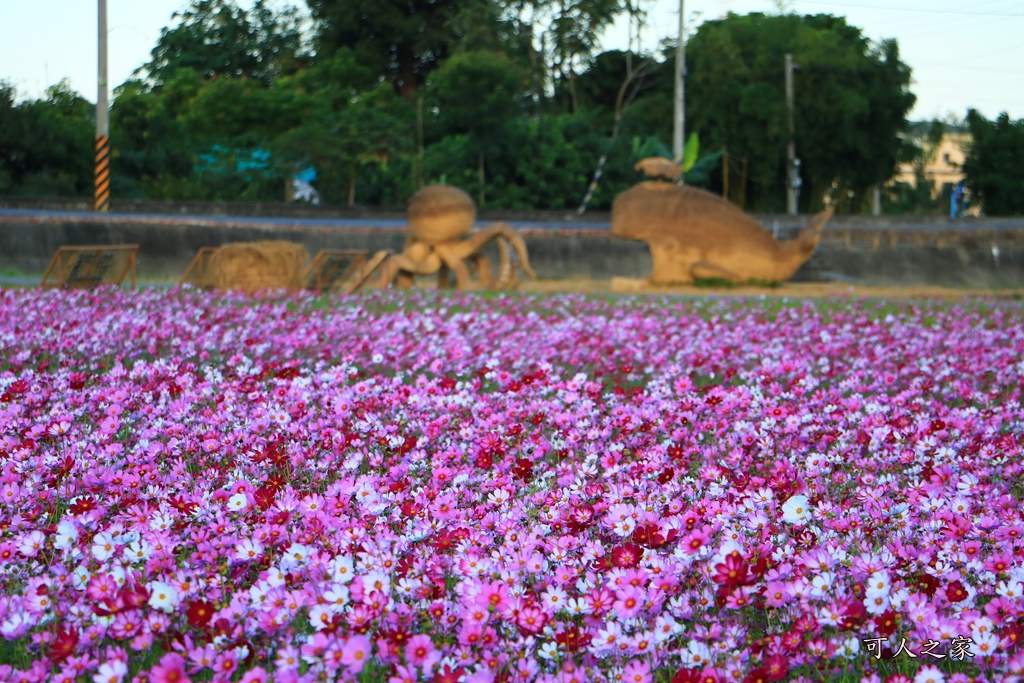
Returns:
(654, 147)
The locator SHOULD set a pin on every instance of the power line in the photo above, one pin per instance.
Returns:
(956, 66)
(972, 58)
(915, 11)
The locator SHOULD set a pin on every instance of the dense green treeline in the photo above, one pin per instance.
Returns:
(509, 99)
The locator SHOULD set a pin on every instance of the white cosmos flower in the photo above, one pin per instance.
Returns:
(342, 569)
(248, 550)
(163, 596)
(1010, 589)
(624, 527)
(66, 535)
(878, 585)
(696, 655)
(103, 546)
(876, 604)
(498, 497)
(548, 651)
(15, 625)
(111, 671)
(80, 577)
(319, 616)
(554, 598)
(796, 510)
(821, 584)
(930, 674)
(139, 551)
(337, 597)
(297, 557)
(238, 502)
(31, 543)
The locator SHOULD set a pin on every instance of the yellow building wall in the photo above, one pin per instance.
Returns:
(944, 165)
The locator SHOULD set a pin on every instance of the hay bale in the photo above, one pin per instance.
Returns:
(252, 266)
(440, 213)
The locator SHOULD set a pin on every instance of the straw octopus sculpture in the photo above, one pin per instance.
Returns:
(441, 240)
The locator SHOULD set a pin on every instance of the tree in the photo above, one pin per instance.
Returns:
(572, 31)
(532, 163)
(919, 146)
(402, 41)
(49, 148)
(338, 142)
(11, 137)
(150, 147)
(851, 102)
(475, 93)
(993, 168)
(218, 39)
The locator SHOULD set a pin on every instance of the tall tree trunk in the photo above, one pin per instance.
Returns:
(621, 102)
(481, 169)
(418, 175)
(407, 74)
(573, 97)
(352, 189)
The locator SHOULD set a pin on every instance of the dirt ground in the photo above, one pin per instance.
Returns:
(789, 289)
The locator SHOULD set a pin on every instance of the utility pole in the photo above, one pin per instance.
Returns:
(102, 118)
(793, 181)
(680, 110)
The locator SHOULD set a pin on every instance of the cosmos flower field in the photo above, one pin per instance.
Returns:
(412, 487)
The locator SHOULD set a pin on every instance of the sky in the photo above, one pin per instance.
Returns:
(963, 54)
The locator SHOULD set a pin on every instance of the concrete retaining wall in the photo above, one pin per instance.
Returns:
(979, 254)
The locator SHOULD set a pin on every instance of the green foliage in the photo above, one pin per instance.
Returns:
(538, 163)
(993, 165)
(545, 162)
(10, 137)
(918, 147)
(704, 169)
(400, 41)
(903, 198)
(147, 143)
(690, 151)
(46, 145)
(474, 93)
(647, 98)
(575, 26)
(651, 147)
(340, 142)
(850, 105)
(654, 147)
(231, 105)
(218, 39)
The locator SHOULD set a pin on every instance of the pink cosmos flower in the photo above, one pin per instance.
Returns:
(256, 675)
(287, 659)
(403, 674)
(629, 602)
(492, 596)
(420, 651)
(776, 594)
(696, 541)
(357, 653)
(225, 665)
(531, 619)
(201, 657)
(637, 672)
(170, 669)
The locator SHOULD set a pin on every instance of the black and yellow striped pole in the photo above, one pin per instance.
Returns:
(102, 173)
(102, 118)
